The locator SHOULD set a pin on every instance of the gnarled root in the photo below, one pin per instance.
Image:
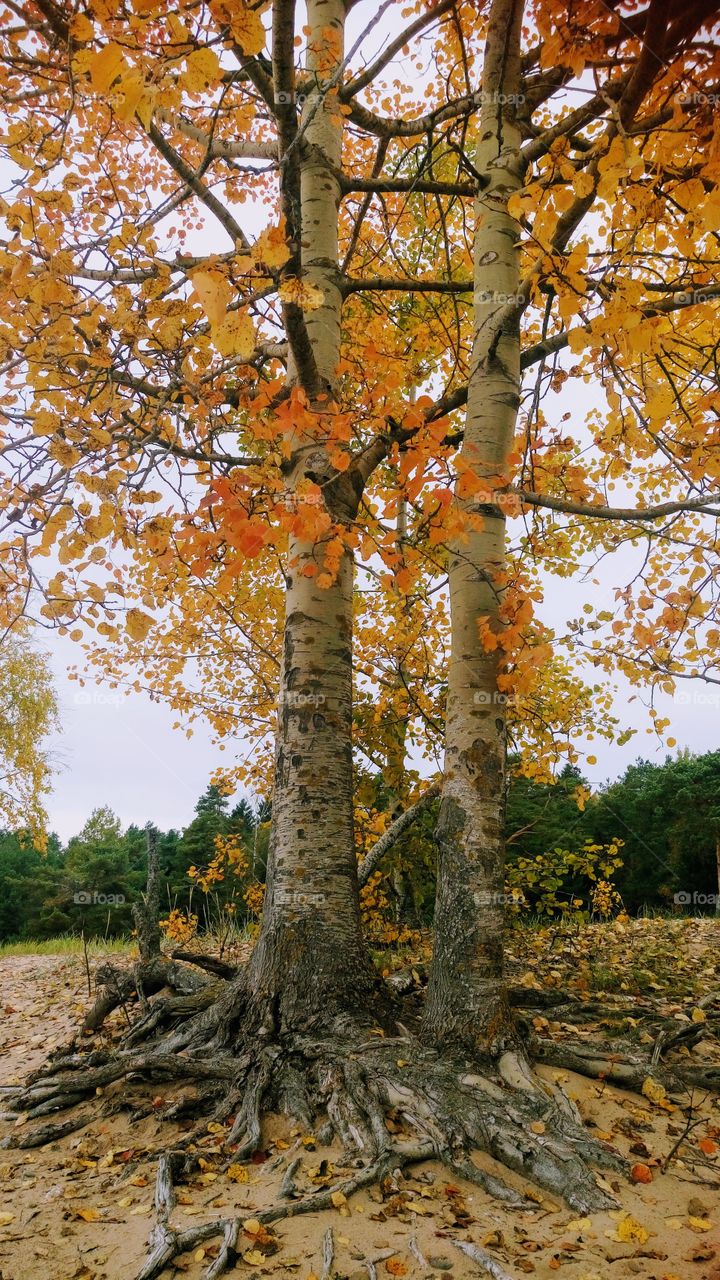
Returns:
(354, 1078)
(347, 1081)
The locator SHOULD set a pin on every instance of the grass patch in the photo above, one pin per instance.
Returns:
(67, 944)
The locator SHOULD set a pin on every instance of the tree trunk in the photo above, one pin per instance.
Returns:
(310, 958)
(467, 1002)
(146, 914)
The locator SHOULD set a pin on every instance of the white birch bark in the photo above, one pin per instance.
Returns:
(310, 949)
(466, 999)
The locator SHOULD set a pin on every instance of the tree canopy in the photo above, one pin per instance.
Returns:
(28, 714)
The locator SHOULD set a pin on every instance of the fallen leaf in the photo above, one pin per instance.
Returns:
(89, 1215)
(630, 1230)
(654, 1091)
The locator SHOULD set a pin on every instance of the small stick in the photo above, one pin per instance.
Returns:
(227, 1253)
(417, 1253)
(87, 964)
(287, 1187)
(328, 1253)
(164, 1189)
(483, 1259)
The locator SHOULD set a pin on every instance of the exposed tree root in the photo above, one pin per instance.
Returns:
(347, 1081)
(626, 1070)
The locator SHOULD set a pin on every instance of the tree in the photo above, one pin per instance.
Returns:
(466, 998)
(263, 387)
(30, 882)
(28, 714)
(667, 817)
(695, 832)
(100, 884)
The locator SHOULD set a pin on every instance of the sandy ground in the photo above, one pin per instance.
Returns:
(82, 1207)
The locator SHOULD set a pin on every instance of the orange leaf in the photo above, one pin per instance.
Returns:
(395, 1267)
(641, 1173)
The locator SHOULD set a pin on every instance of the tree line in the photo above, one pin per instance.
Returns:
(664, 820)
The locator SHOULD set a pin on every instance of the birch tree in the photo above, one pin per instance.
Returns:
(213, 431)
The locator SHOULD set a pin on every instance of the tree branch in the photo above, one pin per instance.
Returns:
(194, 181)
(393, 833)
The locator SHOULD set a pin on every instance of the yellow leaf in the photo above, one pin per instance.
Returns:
(235, 336)
(583, 184)
(630, 1230)
(338, 1199)
(253, 1257)
(133, 99)
(697, 1015)
(247, 28)
(538, 1126)
(106, 66)
(203, 69)
(700, 1224)
(252, 1226)
(301, 293)
(271, 248)
(89, 1215)
(653, 1090)
(5, 1218)
(81, 28)
(137, 624)
(236, 1173)
(213, 293)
